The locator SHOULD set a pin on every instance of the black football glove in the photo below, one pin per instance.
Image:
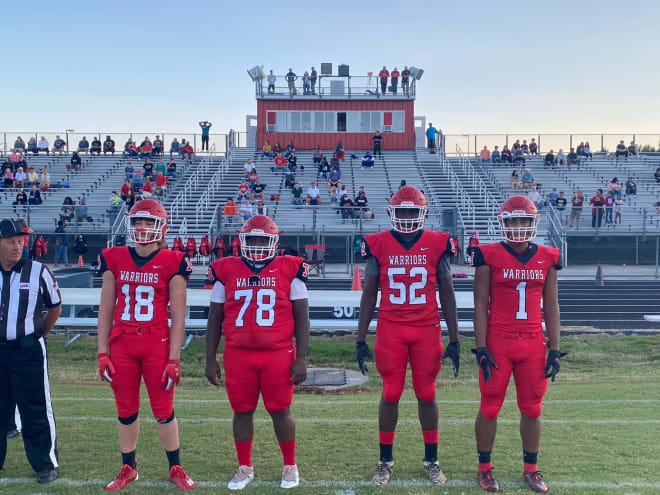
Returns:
(453, 351)
(363, 355)
(553, 362)
(485, 361)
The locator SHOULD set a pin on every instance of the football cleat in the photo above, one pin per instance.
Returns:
(290, 478)
(434, 473)
(535, 481)
(487, 481)
(126, 475)
(242, 478)
(383, 473)
(180, 479)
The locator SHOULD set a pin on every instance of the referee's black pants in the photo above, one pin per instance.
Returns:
(24, 380)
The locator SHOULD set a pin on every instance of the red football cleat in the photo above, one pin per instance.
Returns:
(179, 477)
(126, 476)
(487, 481)
(535, 481)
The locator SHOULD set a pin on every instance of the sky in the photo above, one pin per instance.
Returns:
(489, 67)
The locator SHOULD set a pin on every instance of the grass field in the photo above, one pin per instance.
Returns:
(601, 428)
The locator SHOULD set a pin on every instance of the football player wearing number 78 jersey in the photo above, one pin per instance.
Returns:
(135, 340)
(260, 300)
(408, 263)
(512, 278)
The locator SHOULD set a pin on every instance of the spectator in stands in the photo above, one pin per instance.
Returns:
(527, 179)
(519, 157)
(160, 167)
(615, 187)
(587, 151)
(657, 175)
(243, 192)
(431, 137)
(632, 149)
(247, 167)
(405, 80)
(577, 200)
(20, 178)
(277, 149)
(307, 84)
(383, 75)
(533, 147)
(290, 79)
(271, 82)
(535, 196)
(367, 160)
(130, 198)
(657, 207)
(378, 143)
(266, 150)
(631, 187)
(339, 153)
(609, 208)
(496, 156)
(33, 177)
(230, 209)
(96, 146)
(159, 146)
(312, 79)
(515, 179)
(246, 210)
(68, 209)
(394, 79)
(129, 171)
(324, 167)
(82, 211)
(293, 162)
(573, 159)
(108, 145)
(313, 195)
(148, 168)
(296, 194)
(361, 201)
(561, 158)
(147, 188)
(175, 147)
(32, 146)
(146, 148)
(579, 151)
(138, 180)
(59, 146)
(187, 151)
(258, 191)
(334, 196)
(334, 180)
(484, 155)
(126, 186)
(76, 162)
(346, 207)
(618, 210)
(19, 144)
(35, 196)
(83, 145)
(515, 147)
(45, 179)
(161, 184)
(132, 149)
(506, 155)
(290, 148)
(524, 147)
(289, 181)
(43, 145)
(170, 170)
(553, 196)
(598, 203)
(549, 160)
(561, 207)
(21, 200)
(61, 245)
(316, 156)
(279, 163)
(335, 167)
(115, 201)
(621, 150)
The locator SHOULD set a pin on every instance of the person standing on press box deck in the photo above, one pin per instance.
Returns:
(26, 288)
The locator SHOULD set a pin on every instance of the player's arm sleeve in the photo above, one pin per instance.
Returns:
(449, 249)
(302, 272)
(558, 266)
(298, 290)
(478, 257)
(372, 268)
(185, 268)
(442, 270)
(218, 293)
(49, 289)
(103, 264)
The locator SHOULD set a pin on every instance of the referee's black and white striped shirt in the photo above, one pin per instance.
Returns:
(25, 290)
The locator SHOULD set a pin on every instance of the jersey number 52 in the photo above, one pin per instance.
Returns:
(399, 294)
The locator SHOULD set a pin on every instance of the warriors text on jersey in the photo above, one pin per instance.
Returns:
(516, 284)
(408, 274)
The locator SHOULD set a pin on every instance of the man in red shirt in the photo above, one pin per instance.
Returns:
(260, 300)
(187, 150)
(383, 75)
(280, 162)
(161, 184)
(395, 79)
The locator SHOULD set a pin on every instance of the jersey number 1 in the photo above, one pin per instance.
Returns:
(521, 314)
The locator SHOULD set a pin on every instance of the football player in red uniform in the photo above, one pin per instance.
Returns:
(135, 341)
(407, 263)
(260, 300)
(511, 280)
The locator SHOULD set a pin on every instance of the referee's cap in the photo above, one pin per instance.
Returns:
(9, 228)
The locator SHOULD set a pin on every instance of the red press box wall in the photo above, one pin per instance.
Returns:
(328, 140)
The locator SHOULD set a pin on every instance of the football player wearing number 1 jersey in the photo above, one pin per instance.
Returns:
(135, 340)
(511, 280)
(260, 300)
(407, 263)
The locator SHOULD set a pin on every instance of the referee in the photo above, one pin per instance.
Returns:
(26, 289)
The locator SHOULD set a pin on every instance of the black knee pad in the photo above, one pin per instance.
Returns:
(168, 420)
(128, 421)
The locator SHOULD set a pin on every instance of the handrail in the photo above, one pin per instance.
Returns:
(557, 232)
(118, 225)
(491, 203)
(191, 184)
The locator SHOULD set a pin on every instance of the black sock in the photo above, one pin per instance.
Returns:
(484, 457)
(430, 452)
(128, 459)
(386, 452)
(173, 457)
(530, 457)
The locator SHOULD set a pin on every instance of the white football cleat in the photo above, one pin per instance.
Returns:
(242, 478)
(290, 477)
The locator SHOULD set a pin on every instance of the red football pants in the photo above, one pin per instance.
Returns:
(248, 372)
(135, 357)
(524, 355)
(396, 345)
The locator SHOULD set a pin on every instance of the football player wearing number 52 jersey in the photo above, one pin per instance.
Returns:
(260, 300)
(135, 340)
(512, 278)
(408, 262)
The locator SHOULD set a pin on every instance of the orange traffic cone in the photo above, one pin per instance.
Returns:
(357, 280)
(80, 261)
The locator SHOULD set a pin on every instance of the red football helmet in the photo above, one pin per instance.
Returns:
(150, 210)
(407, 210)
(518, 207)
(259, 237)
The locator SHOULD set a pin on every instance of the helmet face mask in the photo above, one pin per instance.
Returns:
(259, 237)
(407, 210)
(518, 219)
(146, 222)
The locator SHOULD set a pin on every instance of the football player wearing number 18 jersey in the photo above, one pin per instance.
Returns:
(511, 280)
(135, 340)
(260, 300)
(407, 263)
